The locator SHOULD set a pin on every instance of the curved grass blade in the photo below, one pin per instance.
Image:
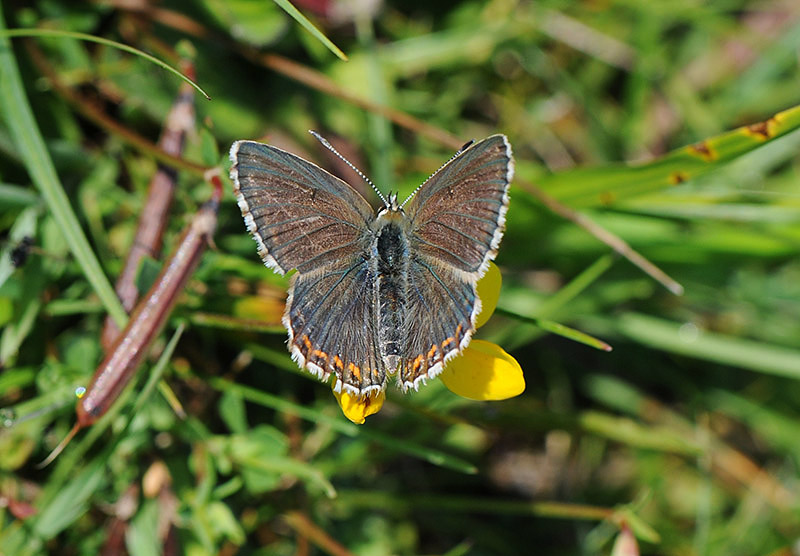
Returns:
(310, 27)
(609, 184)
(107, 42)
(559, 329)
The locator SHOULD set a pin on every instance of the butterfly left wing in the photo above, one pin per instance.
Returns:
(305, 218)
(300, 215)
(457, 219)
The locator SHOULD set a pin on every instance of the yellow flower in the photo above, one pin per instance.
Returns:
(483, 371)
(489, 293)
(358, 408)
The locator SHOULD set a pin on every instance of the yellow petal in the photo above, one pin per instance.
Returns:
(358, 408)
(484, 371)
(258, 308)
(489, 292)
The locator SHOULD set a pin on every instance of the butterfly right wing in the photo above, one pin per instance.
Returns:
(300, 215)
(457, 219)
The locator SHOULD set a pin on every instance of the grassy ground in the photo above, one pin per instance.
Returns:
(626, 121)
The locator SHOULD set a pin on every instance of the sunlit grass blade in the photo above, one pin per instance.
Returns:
(310, 27)
(32, 149)
(100, 40)
(633, 433)
(291, 466)
(609, 184)
(571, 290)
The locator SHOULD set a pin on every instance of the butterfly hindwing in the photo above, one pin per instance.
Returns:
(440, 315)
(331, 320)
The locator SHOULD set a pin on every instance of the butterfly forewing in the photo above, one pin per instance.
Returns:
(458, 215)
(300, 215)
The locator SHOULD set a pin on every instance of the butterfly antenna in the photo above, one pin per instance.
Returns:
(466, 145)
(328, 146)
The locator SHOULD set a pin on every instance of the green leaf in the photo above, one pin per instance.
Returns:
(19, 117)
(610, 184)
(258, 23)
(72, 500)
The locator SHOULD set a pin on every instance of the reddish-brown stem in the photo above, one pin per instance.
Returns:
(148, 318)
(153, 218)
(309, 530)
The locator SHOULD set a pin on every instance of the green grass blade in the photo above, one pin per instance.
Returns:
(19, 117)
(609, 184)
(16, 196)
(100, 40)
(710, 346)
(558, 329)
(310, 27)
(348, 429)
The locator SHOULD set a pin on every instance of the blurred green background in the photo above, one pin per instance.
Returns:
(687, 432)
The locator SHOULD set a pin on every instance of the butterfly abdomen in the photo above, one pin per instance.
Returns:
(391, 247)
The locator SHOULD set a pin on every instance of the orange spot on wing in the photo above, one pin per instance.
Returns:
(417, 363)
(355, 370)
(338, 362)
(307, 342)
(432, 351)
(320, 354)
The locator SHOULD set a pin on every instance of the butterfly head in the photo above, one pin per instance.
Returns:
(392, 206)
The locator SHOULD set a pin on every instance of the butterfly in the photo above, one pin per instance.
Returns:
(375, 295)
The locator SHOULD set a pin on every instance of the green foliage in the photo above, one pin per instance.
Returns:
(673, 125)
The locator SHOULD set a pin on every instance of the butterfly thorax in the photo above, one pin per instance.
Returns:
(390, 260)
